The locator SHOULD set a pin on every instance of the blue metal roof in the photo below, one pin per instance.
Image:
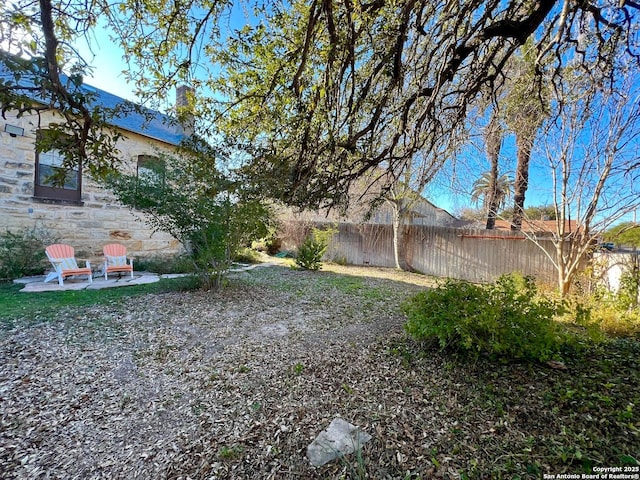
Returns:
(154, 124)
(144, 121)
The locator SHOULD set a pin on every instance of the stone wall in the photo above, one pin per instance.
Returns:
(100, 219)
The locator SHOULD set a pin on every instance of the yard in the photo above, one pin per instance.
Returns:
(236, 384)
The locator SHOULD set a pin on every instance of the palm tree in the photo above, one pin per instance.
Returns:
(481, 190)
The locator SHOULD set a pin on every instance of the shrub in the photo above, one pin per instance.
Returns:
(270, 243)
(199, 201)
(615, 313)
(165, 264)
(507, 318)
(616, 323)
(610, 316)
(313, 248)
(247, 255)
(22, 253)
(627, 294)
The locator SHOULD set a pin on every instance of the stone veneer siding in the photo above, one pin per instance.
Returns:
(87, 227)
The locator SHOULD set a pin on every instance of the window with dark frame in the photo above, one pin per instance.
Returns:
(49, 164)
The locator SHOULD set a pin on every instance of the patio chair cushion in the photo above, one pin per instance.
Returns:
(67, 263)
(116, 261)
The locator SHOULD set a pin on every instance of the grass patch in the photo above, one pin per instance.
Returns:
(317, 287)
(39, 307)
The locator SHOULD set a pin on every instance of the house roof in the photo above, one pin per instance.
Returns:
(149, 123)
(140, 120)
(539, 226)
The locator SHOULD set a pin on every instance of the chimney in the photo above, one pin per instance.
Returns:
(185, 98)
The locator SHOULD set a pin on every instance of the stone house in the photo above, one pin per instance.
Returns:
(81, 213)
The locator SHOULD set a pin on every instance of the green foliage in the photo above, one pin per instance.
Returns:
(298, 368)
(22, 253)
(481, 190)
(206, 208)
(233, 452)
(165, 264)
(247, 255)
(310, 254)
(506, 318)
(627, 294)
(270, 243)
(609, 319)
(615, 314)
(627, 233)
(543, 212)
(313, 248)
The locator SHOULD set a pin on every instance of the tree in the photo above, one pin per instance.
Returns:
(402, 193)
(591, 155)
(317, 83)
(542, 212)
(333, 81)
(207, 209)
(493, 194)
(35, 47)
(498, 188)
(626, 233)
(471, 214)
(526, 107)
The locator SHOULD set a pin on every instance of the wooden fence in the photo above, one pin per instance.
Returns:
(474, 255)
(465, 254)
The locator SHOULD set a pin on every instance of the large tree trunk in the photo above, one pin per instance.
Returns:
(493, 143)
(524, 144)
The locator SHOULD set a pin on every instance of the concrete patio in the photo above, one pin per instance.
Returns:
(37, 283)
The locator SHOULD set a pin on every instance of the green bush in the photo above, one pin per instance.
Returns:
(614, 313)
(270, 243)
(198, 200)
(246, 255)
(22, 253)
(165, 264)
(627, 295)
(610, 316)
(507, 318)
(313, 248)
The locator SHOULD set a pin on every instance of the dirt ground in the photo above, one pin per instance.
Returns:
(235, 384)
(232, 384)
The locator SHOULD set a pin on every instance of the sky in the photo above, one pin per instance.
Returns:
(107, 65)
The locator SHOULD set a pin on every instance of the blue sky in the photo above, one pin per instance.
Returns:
(107, 65)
